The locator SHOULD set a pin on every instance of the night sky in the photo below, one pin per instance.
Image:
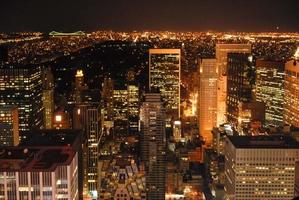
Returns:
(129, 15)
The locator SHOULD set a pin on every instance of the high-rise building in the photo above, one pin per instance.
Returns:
(43, 166)
(153, 145)
(79, 85)
(120, 110)
(48, 98)
(133, 108)
(165, 74)
(240, 82)
(9, 126)
(87, 118)
(270, 89)
(22, 86)
(221, 56)
(207, 98)
(291, 98)
(260, 167)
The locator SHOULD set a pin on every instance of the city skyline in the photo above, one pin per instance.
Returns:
(120, 15)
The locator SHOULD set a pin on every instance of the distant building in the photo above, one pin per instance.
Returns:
(270, 89)
(44, 166)
(133, 107)
(129, 182)
(21, 86)
(240, 82)
(120, 110)
(222, 51)
(260, 167)
(48, 98)
(165, 75)
(9, 126)
(291, 98)
(207, 98)
(153, 145)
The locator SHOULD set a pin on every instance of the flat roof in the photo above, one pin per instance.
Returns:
(165, 51)
(21, 159)
(264, 141)
(52, 137)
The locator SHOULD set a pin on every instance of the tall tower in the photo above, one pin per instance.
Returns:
(153, 145)
(9, 126)
(270, 89)
(22, 86)
(291, 96)
(221, 55)
(79, 85)
(241, 78)
(207, 98)
(165, 75)
(48, 98)
(87, 118)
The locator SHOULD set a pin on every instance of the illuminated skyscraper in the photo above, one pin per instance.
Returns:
(240, 81)
(164, 74)
(153, 145)
(87, 118)
(120, 108)
(22, 86)
(291, 98)
(207, 98)
(221, 55)
(9, 126)
(260, 167)
(79, 85)
(133, 108)
(270, 89)
(48, 98)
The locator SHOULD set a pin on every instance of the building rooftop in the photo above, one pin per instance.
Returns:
(264, 141)
(32, 159)
(51, 138)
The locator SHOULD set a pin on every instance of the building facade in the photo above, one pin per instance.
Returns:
(9, 126)
(153, 145)
(270, 89)
(22, 87)
(207, 98)
(260, 167)
(87, 118)
(240, 82)
(291, 98)
(165, 75)
(222, 51)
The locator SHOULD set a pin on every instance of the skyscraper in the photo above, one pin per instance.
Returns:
(291, 98)
(48, 98)
(260, 167)
(22, 86)
(221, 55)
(153, 145)
(240, 80)
(270, 89)
(165, 74)
(207, 98)
(9, 126)
(87, 118)
(133, 108)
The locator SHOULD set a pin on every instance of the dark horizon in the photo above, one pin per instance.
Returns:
(154, 15)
